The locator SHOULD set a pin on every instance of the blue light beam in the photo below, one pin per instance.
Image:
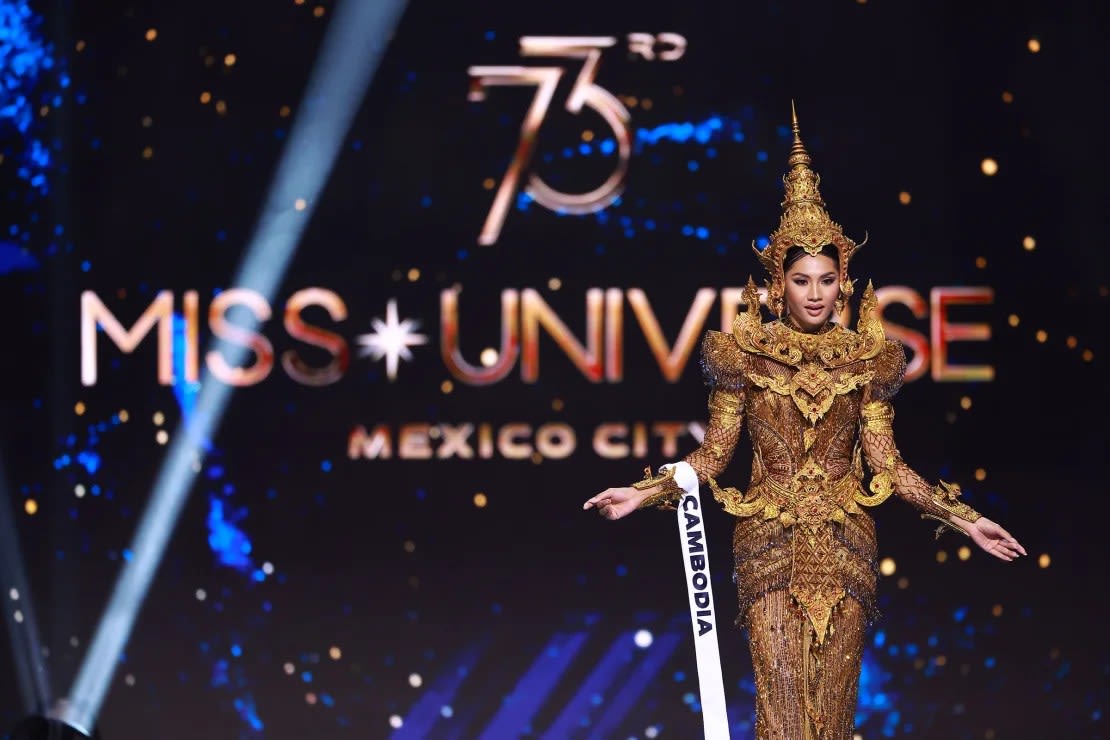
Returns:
(356, 40)
(621, 654)
(615, 711)
(34, 684)
(531, 691)
(429, 709)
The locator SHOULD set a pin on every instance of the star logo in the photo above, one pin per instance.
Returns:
(391, 339)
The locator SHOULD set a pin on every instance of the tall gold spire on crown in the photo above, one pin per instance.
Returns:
(804, 223)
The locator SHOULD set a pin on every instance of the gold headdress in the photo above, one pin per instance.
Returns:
(804, 224)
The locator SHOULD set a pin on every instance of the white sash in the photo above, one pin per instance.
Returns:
(695, 559)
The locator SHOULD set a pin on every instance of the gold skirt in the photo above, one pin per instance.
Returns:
(806, 681)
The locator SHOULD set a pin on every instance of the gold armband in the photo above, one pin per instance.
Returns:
(669, 490)
(947, 497)
(877, 417)
(725, 404)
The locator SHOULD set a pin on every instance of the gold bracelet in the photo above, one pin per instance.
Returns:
(668, 487)
(947, 495)
(946, 525)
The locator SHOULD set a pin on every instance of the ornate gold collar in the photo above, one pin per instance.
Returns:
(836, 347)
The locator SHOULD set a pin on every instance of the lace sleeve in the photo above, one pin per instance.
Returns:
(890, 474)
(720, 362)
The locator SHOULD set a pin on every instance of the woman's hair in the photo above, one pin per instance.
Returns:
(796, 253)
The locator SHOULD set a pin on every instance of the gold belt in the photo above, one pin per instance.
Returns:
(809, 498)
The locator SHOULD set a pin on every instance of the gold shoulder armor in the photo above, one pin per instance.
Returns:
(890, 371)
(721, 361)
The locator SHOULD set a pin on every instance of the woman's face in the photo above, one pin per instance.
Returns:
(812, 286)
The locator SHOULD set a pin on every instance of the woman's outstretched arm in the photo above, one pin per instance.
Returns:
(720, 366)
(890, 474)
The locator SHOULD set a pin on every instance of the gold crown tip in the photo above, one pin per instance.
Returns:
(798, 154)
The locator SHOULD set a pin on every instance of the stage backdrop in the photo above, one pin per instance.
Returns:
(494, 313)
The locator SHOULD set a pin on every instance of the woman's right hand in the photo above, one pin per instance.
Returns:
(614, 503)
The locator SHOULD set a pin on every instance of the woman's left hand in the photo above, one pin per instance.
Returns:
(994, 539)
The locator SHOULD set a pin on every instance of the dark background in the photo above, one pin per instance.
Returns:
(892, 97)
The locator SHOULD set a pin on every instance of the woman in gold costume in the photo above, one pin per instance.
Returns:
(817, 397)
